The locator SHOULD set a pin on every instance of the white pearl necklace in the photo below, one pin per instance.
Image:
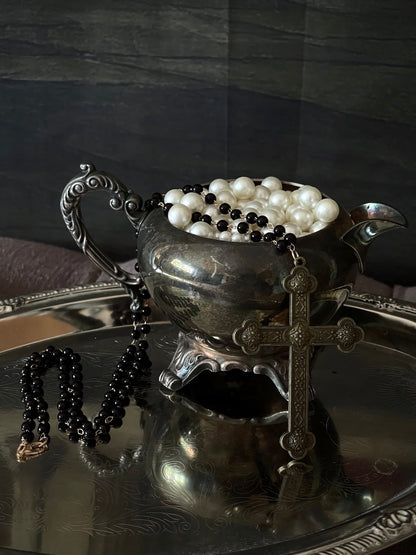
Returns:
(301, 212)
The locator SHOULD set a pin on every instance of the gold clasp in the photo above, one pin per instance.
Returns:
(27, 451)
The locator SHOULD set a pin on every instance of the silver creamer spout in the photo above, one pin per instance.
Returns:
(371, 220)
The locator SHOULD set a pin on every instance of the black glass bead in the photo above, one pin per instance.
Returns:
(145, 328)
(242, 227)
(63, 386)
(77, 378)
(124, 402)
(135, 334)
(109, 395)
(76, 404)
(197, 188)
(137, 267)
(131, 349)
(62, 405)
(144, 311)
(268, 237)
(29, 414)
(114, 384)
(64, 395)
(187, 189)
(72, 428)
(133, 374)
(104, 438)
(44, 428)
(99, 421)
(73, 436)
(67, 351)
(25, 389)
(63, 376)
(279, 231)
(210, 198)
(143, 344)
(75, 358)
(157, 196)
(89, 441)
(136, 317)
(63, 416)
(222, 225)
(144, 293)
(262, 221)
(42, 406)
(196, 216)
(43, 416)
(38, 392)
(28, 426)
(116, 422)
(235, 214)
(73, 413)
(62, 427)
(224, 208)
(251, 217)
(118, 412)
(290, 238)
(167, 207)
(281, 246)
(76, 367)
(27, 436)
(206, 218)
(255, 236)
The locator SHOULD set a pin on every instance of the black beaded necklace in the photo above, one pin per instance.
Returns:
(277, 234)
(132, 366)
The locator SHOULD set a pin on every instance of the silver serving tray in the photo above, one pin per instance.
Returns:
(186, 477)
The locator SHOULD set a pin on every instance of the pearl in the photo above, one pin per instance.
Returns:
(228, 197)
(261, 192)
(303, 218)
(326, 210)
(309, 197)
(238, 237)
(218, 185)
(317, 226)
(290, 210)
(173, 196)
(202, 229)
(211, 211)
(225, 236)
(253, 206)
(272, 183)
(193, 201)
(275, 216)
(179, 215)
(243, 188)
(280, 199)
(293, 228)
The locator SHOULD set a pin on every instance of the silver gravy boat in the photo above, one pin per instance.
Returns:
(209, 287)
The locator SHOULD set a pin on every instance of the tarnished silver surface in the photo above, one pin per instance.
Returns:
(121, 199)
(208, 287)
(188, 474)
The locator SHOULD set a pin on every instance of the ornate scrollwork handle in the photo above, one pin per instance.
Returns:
(121, 199)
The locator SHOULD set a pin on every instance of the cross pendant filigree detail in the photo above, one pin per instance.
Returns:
(299, 336)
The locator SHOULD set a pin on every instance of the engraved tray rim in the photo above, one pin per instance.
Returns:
(397, 520)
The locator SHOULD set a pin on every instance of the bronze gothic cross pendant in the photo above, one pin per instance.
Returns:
(299, 336)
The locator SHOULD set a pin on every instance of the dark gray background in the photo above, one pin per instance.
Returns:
(162, 93)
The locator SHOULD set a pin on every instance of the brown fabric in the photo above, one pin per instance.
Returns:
(27, 267)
